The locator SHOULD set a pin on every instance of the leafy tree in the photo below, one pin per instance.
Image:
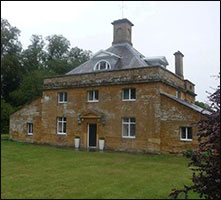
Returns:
(206, 160)
(9, 39)
(11, 70)
(6, 110)
(34, 56)
(203, 105)
(58, 47)
(31, 87)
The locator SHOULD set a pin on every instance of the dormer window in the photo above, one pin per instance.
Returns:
(102, 65)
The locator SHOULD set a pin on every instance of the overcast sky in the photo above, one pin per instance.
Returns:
(160, 29)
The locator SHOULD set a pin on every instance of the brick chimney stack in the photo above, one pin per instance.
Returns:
(122, 31)
(179, 63)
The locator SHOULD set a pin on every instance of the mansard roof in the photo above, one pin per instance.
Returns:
(120, 56)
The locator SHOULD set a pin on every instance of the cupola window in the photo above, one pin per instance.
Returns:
(102, 65)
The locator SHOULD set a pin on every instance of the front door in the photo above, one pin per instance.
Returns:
(92, 135)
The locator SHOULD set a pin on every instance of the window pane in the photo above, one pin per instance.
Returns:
(60, 96)
(64, 127)
(90, 95)
(126, 94)
(59, 118)
(64, 119)
(30, 128)
(183, 133)
(60, 127)
(96, 95)
(132, 119)
(102, 65)
(125, 129)
(133, 93)
(126, 119)
(132, 130)
(189, 133)
(65, 96)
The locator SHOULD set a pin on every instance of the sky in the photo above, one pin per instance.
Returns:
(160, 29)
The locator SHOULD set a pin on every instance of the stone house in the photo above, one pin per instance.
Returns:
(132, 101)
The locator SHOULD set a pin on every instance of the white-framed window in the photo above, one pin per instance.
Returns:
(102, 65)
(186, 134)
(61, 125)
(178, 94)
(93, 96)
(30, 128)
(128, 127)
(62, 97)
(129, 94)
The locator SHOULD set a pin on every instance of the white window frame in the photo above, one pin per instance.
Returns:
(63, 97)
(130, 99)
(30, 132)
(93, 96)
(128, 123)
(62, 121)
(97, 65)
(186, 134)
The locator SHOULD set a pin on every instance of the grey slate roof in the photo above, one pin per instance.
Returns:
(192, 106)
(120, 56)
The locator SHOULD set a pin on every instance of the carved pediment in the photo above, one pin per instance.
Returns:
(91, 114)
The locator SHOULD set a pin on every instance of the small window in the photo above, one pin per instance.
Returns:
(30, 128)
(186, 133)
(61, 125)
(178, 94)
(129, 94)
(62, 97)
(128, 127)
(102, 65)
(191, 87)
(93, 96)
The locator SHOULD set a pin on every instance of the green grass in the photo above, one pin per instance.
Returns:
(4, 136)
(30, 171)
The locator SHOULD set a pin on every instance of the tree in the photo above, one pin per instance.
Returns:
(34, 57)
(6, 110)
(203, 105)
(11, 70)
(60, 58)
(31, 87)
(9, 39)
(58, 47)
(206, 160)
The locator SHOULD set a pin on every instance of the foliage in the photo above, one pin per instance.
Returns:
(34, 57)
(10, 59)
(31, 87)
(23, 70)
(206, 160)
(9, 38)
(203, 105)
(6, 110)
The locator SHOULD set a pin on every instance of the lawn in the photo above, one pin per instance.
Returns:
(31, 171)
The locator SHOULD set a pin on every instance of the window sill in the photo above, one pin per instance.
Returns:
(126, 137)
(93, 101)
(128, 99)
(186, 140)
(62, 102)
(30, 134)
(61, 133)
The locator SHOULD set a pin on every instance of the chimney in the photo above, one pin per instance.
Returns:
(179, 63)
(122, 31)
